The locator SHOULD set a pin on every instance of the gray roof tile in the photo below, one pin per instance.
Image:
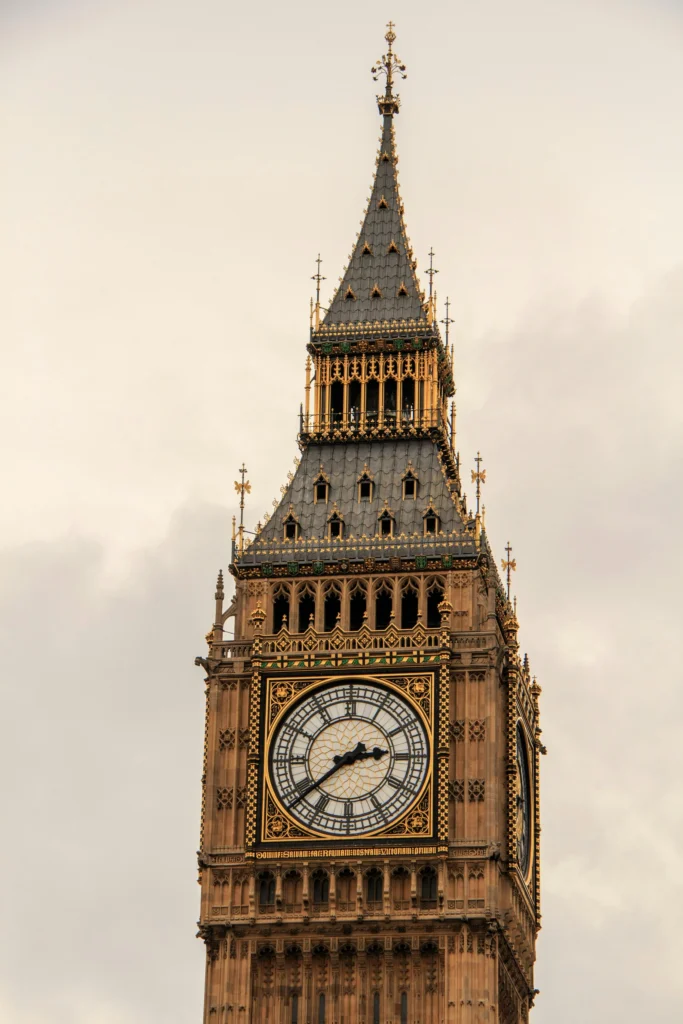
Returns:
(343, 464)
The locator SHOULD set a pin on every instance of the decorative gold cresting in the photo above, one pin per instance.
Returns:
(389, 64)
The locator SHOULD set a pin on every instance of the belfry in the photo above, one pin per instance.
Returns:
(370, 806)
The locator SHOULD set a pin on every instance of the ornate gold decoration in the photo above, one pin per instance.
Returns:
(257, 617)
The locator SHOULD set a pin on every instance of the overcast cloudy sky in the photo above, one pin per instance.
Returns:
(170, 171)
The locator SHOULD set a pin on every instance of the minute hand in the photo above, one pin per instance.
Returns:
(359, 753)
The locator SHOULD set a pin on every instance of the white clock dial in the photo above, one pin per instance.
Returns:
(349, 758)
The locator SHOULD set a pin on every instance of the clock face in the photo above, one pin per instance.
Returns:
(523, 822)
(349, 758)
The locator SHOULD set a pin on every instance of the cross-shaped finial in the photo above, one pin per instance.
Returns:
(478, 477)
(318, 277)
(447, 320)
(242, 488)
(389, 64)
(509, 565)
(431, 271)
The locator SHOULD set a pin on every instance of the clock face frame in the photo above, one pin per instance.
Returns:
(523, 802)
(370, 796)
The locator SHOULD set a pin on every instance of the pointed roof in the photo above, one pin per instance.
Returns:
(380, 282)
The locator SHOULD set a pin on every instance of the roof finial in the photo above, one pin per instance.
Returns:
(509, 565)
(317, 277)
(389, 64)
(478, 477)
(241, 488)
(448, 319)
(430, 273)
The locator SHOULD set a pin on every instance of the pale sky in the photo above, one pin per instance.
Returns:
(170, 171)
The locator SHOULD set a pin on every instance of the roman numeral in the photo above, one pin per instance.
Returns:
(348, 809)
(395, 732)
(393, 781)
(322, 802)
(302, 784)
(322, 711)
(350, 709)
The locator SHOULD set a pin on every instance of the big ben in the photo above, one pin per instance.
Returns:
(370, 793)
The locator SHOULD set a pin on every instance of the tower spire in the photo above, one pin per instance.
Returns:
(380, 283)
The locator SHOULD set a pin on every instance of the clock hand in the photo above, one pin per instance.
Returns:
(340, 761)
(359, 753)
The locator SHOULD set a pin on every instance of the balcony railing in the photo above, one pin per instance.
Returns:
(356, 422)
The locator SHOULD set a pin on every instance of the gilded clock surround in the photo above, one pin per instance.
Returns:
(432, 919)
(281, 693)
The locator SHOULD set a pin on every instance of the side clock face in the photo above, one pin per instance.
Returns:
(523, 811)
(349, 759)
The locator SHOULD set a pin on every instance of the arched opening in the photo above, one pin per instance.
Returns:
(335, 527)
(280, 610)
(375, 1008)
(321, 887)
(321, 1008)
(337, 401)
(266, 889)
(384, 605)
(386, 525)
(292, 885)
(408, 400)
(332, 608)
(372, 402)
(357, 607)
(291, 528)
(400, 889)
(409, 606)
(321, 489)
(435, 595)
(306, 608)
(431, 523)
(374, 884)
(404, 1008)
(389, 401)
(295, 1009)
(346, 890)
(354, 403)
(428, 888)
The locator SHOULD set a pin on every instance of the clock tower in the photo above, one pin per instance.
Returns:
(370, 815)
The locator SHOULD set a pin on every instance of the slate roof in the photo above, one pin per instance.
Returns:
(387, 461)
(372, 265)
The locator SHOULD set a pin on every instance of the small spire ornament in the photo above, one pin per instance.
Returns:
(509, 565)
(478, 477)
(242, 488)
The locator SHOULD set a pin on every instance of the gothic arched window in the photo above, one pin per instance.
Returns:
(409, 604)
(375, 1008)
(374, 885)
(435, 595)
(332, 607)
(280, 608)
(321, 1008)
(404, 1008)
(428, 885)
(306, 608)
(383, 605)
(358, 605)
(266, 889)
(321, 886)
